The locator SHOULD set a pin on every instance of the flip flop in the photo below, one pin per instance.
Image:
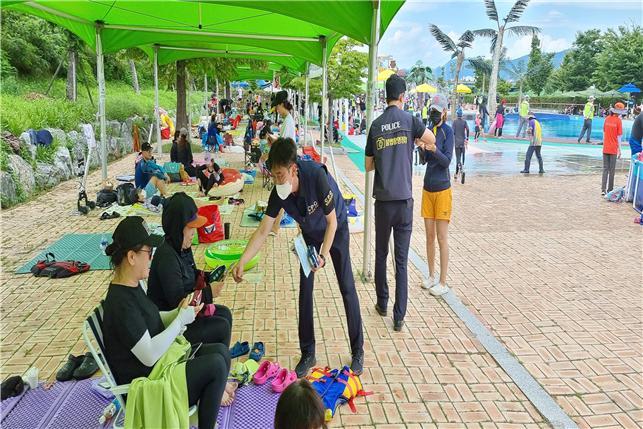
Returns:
(244, 371)
(239, 349)
(258, 350)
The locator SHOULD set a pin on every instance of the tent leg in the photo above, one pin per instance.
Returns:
(306, 105)
(157, 111)
(370, 114)
(100, 76)
(324, 100)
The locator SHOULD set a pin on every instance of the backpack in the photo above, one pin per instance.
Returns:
(105, 198)
(53, 269)
(124, 194)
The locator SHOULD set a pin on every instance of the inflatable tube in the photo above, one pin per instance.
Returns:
(227, 252)
(232, 184)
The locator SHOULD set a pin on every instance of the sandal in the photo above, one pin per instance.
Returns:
(239, 349)
(258, 350)
(244, 371)
(284, 378)
(266, 370)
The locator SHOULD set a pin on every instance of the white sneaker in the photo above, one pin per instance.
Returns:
(430, 282)
(439, 289)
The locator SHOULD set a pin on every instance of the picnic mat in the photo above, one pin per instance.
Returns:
(249, 222)
(74, 404)
(79, 247)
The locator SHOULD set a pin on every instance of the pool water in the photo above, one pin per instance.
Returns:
(560, 126)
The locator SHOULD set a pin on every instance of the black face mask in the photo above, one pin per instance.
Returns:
(434, 118)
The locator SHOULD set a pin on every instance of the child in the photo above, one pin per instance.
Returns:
(477, 129)
(534, 132)
(299, 407)
(208, 176)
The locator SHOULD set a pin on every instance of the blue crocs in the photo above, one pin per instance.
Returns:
(239, 349)
(258, 350)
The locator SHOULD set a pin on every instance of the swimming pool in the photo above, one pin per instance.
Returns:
(561, 126)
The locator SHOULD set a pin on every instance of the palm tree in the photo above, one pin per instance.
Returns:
(457, 50)
(484, 66)
(518, 72)
(497, 37)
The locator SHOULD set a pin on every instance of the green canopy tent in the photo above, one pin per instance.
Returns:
(305, 29)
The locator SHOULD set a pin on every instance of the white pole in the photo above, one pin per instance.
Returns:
(205, 90)
(156, 100)
(324, 100)
(370, 114)
(100, 76)
(306, 105)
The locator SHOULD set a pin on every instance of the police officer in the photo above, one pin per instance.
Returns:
(310, 195)
(389, 151)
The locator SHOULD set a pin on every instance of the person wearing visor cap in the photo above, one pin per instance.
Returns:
(588, 115)
(141, 341)
(310, 195)
(174, 274)
(389, 152)
(612, 133)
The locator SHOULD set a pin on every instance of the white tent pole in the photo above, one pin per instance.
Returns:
(205, 90)
(157, 110)
(370, 114)
(324, 100)
(100, 76)
(306, 104)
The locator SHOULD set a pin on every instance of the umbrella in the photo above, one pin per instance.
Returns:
(243, 85)
(630, 87)
(463, 89)
(425, 87)
(385, 74)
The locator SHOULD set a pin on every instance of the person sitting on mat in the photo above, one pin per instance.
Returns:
(184, 153)
(208, 176)
(150, 176)
(140, 341)
(310, 195)
(174, 274)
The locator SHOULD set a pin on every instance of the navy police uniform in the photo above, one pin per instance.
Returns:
(391, 141)
(318, 195)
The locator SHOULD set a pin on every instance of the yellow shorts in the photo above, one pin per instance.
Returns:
(437, 205)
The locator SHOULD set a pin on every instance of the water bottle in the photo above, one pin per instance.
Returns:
(103, 244)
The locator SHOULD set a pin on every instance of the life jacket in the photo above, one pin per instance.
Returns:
(336, 387)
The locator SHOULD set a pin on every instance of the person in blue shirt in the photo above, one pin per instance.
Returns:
(436, 196)
(310, 195)
(148, 175)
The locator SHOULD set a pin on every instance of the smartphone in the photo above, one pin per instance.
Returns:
(313, 255)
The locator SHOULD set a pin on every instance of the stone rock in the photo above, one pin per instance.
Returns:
(12, 141)
(25, 142)
(62, 161)
(22, 172)
(113, 129)
(59, 136)
(48, 175)
(7, 189)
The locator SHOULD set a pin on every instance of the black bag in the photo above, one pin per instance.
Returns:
(105, 198)
(53, 269)
(124, 193)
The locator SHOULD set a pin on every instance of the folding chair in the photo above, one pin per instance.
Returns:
(94, 325)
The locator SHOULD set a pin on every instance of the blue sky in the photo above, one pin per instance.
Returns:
(408, 39)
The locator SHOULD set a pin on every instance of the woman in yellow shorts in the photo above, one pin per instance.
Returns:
(436, 195)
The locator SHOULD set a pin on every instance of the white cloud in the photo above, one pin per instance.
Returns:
(522, 45)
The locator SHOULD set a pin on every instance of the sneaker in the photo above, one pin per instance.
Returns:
(439, 289)
(398, 325)
(430, 282)
(525, 171)
(66, 373)
(541, 172)
(357, 363)
(306, 362)
(87, 368)
(602, 193)
(380, 310)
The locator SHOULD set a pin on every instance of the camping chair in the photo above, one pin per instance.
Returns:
(94, 324)
(266, 176)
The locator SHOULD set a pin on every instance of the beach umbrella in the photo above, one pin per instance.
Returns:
(425, 87)
(463, 89)
(385, 74)
(630, 87)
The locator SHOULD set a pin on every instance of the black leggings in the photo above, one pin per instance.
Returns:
(207, 374)
(211, 330)
(459, 153)
(206, 183)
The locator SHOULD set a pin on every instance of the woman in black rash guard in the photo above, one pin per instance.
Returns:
(173, 274)
(137, 335)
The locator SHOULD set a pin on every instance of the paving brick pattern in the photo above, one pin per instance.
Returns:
(547, 267)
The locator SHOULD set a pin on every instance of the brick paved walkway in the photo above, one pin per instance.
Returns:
(545, 264)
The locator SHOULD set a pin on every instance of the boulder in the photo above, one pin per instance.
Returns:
(12, 141)
(59, 136)
(48, 175)
(23, 173)
(62, 161)
(7, 189)
(25, 142)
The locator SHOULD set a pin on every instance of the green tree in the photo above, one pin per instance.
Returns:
(457, 52)
(539, 67)
(518, 73)
(497, 36)
(621, 60)
(576, 70)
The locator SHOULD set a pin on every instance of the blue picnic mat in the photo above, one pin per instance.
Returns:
(78, 247)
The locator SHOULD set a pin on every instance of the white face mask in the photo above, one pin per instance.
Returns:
(284, 190)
